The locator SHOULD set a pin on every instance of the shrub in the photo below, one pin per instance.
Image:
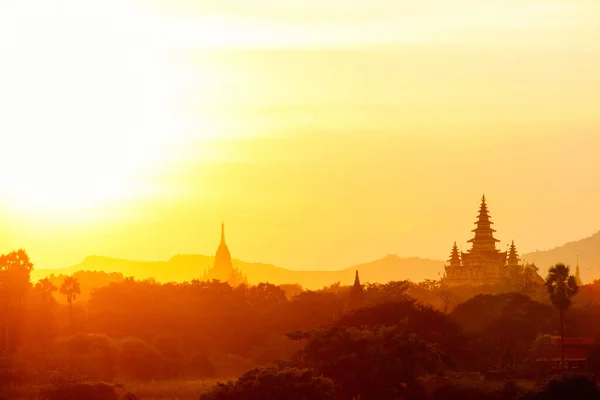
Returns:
(171, 350)
(273, 384)
(139, 360)
(92, 356)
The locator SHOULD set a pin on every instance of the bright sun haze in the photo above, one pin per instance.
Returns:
(130, 128)
(87, 107)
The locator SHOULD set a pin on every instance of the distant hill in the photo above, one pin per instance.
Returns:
(588, 250)
(187, 267)
(390, 268)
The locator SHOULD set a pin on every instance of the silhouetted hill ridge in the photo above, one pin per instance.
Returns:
(185, 267)
(587, 248)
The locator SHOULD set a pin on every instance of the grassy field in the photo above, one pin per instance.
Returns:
(157, 390)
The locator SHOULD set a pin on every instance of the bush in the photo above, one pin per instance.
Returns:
(171, 350)
(139, 360)
(273, 384)
(92, 356)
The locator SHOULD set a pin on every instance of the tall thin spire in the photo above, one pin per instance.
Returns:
(356, 279)
(356, 296)
(577, 276)
(222, 232)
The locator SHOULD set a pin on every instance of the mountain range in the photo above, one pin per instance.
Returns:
(587, 250)
(390, 268)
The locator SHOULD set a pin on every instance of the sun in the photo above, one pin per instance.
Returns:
(88, 106)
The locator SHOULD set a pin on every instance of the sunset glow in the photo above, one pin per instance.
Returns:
(387, 121)
(299, 199)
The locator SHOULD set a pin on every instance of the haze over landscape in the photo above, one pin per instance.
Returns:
(299, 200)
(326, 135)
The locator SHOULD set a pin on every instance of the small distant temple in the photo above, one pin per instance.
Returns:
(483, 263)
(223, 269)
(356, 296)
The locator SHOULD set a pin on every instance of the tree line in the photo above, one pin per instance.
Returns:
(361, 341)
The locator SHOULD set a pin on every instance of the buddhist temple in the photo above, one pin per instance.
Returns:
(483, 263)
(356, 296)
(223, 269)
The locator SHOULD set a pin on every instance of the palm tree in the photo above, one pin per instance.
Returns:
(46, 287)
(561, 287)
(70, 288)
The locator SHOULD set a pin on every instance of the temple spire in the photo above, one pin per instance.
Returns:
(222, 268)
(356, 279)
(513, 255)
(356, 296)
(484, 234)
(222, 232)
(577, 276)
(454, 256)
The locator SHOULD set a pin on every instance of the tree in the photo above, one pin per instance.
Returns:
(561, 288)
(440, 291)
(15, 272)
(502, 326)
(46, 288)
(70, 289)
(139, 360)
(382, 363)
(427, 323)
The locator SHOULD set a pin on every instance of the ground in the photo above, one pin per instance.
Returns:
(157, 390)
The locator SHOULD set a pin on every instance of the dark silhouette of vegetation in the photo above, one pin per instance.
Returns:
(567, 386)
(15, 272)
(138, 360)
(274, 384)
(70, 288)
(503, 325)
(371, 340)
(46, 288)
(370, 364)
(561, 288)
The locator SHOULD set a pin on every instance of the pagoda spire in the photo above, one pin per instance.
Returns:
(454, 256)
(222, 232)
(356, 296)
(513, 255)
(484, 233)
(357, 280)
(577, 276)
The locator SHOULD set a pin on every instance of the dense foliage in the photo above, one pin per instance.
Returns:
(395, 340)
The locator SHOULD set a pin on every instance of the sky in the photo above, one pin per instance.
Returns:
(324, 133)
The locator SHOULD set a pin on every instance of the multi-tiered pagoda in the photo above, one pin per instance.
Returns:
(483, 263)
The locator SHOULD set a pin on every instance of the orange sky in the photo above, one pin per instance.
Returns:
(325, 133)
